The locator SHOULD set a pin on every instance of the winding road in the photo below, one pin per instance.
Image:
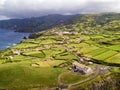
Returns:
(67, 86)
(96, 73)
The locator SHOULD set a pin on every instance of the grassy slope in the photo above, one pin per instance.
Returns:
(33, 68)
(24, 75)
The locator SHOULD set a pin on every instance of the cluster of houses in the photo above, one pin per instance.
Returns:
(61, 33)
(14, 52)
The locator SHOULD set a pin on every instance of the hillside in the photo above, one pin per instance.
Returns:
(34, 24)
(45, 60)
(84, 21)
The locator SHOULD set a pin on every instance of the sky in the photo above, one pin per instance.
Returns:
(35, 8)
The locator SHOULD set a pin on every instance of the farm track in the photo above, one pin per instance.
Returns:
(88, 79)
(63, 86)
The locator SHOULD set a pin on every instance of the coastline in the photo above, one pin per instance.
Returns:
(10, 38)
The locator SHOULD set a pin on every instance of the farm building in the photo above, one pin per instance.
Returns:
(16, 52)
(59, 33)
(66, 32)
(82, 59)
(81, 68)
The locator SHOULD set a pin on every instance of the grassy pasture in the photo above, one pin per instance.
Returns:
(71, 77)
(85, 37)
(115, 47)
(38, 54)
(20, 58)
(97, 52)
(65, 56)
(88, 49)
(49, 53)
(47, 41)
(78, 45)
(49, 63)
(16, 75)
(105, 55)
(25, 45)
(58, 48)
(34, 41)
(114, 59)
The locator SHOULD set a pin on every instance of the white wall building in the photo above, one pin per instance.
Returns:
(82, 68)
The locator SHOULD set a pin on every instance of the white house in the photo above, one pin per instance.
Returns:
(82, 68)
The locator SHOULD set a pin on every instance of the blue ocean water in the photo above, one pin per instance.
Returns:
(10, 38)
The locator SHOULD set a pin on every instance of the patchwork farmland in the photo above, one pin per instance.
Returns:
(46, 60)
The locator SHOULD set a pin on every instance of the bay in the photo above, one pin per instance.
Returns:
(9, 38)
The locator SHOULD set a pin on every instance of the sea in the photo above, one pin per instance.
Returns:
(10, 38)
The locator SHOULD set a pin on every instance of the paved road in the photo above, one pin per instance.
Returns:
(88, 79)
(67, 86)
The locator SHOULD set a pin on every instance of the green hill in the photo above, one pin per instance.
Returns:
(46, 22)
(34, 24)
(38, 62)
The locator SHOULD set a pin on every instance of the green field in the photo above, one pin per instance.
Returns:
(25, 45)
(24, 76)
(65, 56)
(88, 49)
(48, 63)
(114, 59)
(20, 58)
(105, 55)
(97, 52)
(47, 41)
(71, 77)
(39, 54)
(52, 52)
(78, 45)
(115, 47)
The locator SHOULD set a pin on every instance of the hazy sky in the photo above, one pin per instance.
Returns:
(35, 8)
